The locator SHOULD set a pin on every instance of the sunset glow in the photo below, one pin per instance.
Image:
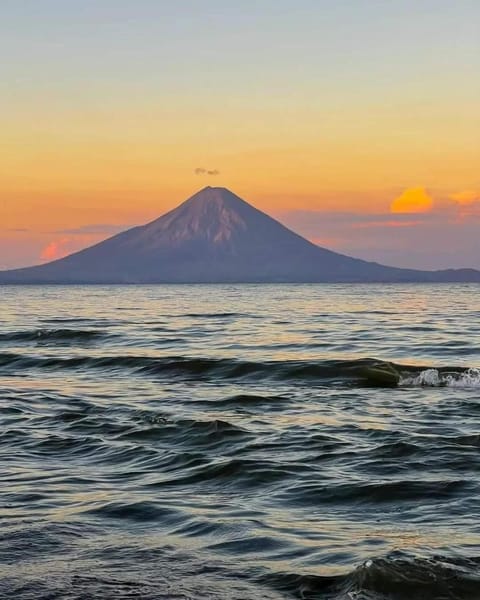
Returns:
(114, 113)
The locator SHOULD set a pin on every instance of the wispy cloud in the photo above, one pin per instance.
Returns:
(445, 236)
(315, 220)
(91, 229)
(94, 229)
(387, 223)
(467, 203)
(202, 171)
(466, 197)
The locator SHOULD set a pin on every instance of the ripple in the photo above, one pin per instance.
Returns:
(224, 442)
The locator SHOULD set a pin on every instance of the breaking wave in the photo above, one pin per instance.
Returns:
(468, 378)
(346, 372)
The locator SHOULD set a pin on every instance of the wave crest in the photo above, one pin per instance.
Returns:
(437, 378)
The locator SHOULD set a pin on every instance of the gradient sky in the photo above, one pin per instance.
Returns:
(356, 122)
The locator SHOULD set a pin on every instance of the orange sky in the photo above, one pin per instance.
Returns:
(107, 111)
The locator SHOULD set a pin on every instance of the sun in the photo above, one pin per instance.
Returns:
(413, 200)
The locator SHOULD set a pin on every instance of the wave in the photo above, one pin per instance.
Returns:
(218, 315)
(197, 434)
(398, 576)
(175, 365)
(133, 511)
(239, 473)
(52, 335)
(313, 492)
(250, 400)
(348, 372)
(469, 377)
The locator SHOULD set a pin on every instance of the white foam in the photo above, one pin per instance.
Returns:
(434, 378)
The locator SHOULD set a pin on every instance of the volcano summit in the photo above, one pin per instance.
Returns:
(216, 237)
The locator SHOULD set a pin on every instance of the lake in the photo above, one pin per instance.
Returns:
(224, 442)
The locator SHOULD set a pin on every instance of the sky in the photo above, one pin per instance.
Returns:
(354, 122)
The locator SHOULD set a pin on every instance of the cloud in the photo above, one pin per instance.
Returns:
(66, 245)
(465, 206)
(310, 222)
(387, 223)
(55, 249)
(469, 212)
(430, 240)
(412, 200)
(465, 197)
(94, 229)
(74, 239)
(202, 171)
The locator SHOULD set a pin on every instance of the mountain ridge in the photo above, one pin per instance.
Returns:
(216, 237)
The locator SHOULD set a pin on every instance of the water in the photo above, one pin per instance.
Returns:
(222, 442)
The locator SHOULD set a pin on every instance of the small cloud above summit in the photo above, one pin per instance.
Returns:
(202, 171)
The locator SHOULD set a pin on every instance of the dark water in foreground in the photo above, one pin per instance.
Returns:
(220, 442)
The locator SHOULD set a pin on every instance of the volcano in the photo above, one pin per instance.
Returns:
(216, 237)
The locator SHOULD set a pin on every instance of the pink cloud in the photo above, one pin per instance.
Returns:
(66, 245)
(56, 249)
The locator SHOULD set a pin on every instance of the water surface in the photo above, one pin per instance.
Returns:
(222, 442)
